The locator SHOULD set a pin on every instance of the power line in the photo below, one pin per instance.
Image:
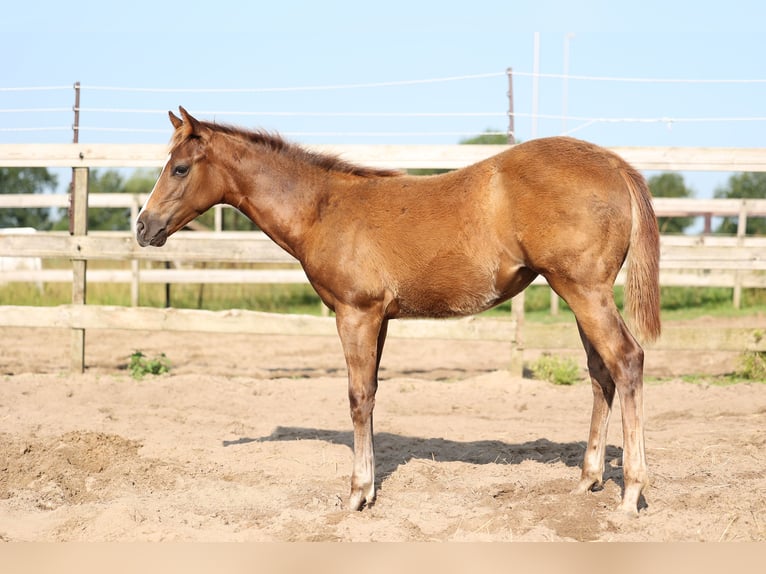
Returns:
(661, 120)
(301, 133)
(34, 88)
(432, 81)
(643, 80)
(299, 88)
(303, 114)
(33, 110)
(584, 121)
(496, 114)
(37, 129)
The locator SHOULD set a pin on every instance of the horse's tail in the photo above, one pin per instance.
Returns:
(642, 285)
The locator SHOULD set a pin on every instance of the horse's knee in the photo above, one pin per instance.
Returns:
(633, 365)
(361, 407)
(636, 357)
(626, 365)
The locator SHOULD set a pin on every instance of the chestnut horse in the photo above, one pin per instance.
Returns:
(378, 245)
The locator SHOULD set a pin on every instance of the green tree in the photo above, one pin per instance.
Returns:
(104, 218)
(671, 185)
(27, 180)
(747, 185)
(141, 181)
(490, 137)
(111, 181)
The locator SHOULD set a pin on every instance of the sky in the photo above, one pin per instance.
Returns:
(638, 73)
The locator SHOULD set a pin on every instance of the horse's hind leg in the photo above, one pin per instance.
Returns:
(623, 359)
(603, 396)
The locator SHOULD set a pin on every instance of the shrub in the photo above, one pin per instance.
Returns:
(752, 366)
(140, 365)
(557, 370)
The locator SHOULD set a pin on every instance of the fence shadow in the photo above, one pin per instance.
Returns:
(393, 450)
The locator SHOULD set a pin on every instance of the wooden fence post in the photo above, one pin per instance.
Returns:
(135, 280)
(741, 231)
(79, 227)
(516, 366)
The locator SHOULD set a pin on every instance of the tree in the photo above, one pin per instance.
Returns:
(27, 180)
(110, 181)
(141, 181)
(747, 185)
(104, 218)
(670, 185)
(487, 138)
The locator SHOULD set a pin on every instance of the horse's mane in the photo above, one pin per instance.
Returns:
(277, 143)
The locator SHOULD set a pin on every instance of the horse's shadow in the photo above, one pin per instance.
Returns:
(393, 450)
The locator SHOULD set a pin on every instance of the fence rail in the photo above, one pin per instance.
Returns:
(381, 155)
(705, 260)
(682, 257)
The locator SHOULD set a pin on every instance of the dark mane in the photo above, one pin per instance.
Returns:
(278, 144)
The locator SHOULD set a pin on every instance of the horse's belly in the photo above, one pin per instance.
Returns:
(447, 295)
(458, 291)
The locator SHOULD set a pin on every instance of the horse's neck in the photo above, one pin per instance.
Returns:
(280, 198)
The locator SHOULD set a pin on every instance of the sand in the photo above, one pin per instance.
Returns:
(248, 438)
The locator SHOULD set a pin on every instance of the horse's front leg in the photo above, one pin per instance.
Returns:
(362, 334)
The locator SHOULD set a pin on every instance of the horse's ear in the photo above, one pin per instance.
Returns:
(193, 127)
(175, 120)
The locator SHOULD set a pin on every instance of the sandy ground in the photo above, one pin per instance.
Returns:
(248, 438)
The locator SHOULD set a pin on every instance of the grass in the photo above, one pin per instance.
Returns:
(297, 298)
(677, 302)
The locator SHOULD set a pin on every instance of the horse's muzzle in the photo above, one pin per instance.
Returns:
(150, 233)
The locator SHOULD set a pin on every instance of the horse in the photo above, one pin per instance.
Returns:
(379, 244)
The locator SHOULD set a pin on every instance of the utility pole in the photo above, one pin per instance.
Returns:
(536, 85)
(78, 226)
(75, 139)
(516, 366)
(564, 110)
(76, 109)
(565, 88)
(511, 127)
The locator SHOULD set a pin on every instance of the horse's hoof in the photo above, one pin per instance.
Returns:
(628, 511)
(586, 485)
(356, 501)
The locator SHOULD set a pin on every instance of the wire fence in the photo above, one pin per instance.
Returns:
(429, 110)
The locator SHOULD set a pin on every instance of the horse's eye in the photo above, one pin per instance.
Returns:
(181, 170)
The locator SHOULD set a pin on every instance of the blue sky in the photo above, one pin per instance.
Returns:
(235, 45)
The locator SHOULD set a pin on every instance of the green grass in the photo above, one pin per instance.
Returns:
(297, 298)
(751, 368)
(677, 302)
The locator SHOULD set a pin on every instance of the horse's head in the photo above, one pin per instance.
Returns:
(184, 188)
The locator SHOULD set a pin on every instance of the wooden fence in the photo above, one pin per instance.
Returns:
(736, 262)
